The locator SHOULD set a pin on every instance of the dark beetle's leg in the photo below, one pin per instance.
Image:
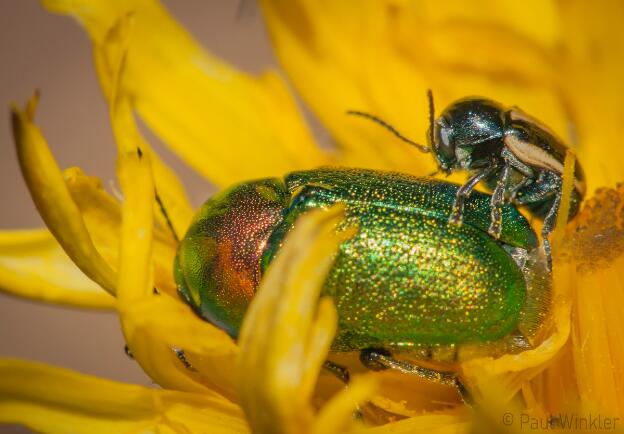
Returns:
(498, 198)
(339, 371)
(549, 224)
(343, 375)
(513, 193)
(377, 359)
(182, 357)
(511, 159)
(464, 191)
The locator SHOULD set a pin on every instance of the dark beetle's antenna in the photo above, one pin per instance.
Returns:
(389, 128)
(431, 115)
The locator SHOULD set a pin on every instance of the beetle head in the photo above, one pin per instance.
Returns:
(467, 134)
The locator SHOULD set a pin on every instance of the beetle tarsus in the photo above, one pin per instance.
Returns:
(339, 371)
(498, 198)
(377, 359)
(342, 373)
(182, 357)
(464, 393)
(464, 192)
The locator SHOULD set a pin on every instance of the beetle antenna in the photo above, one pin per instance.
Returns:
(389, 128)
(431, 115)
(165, 215)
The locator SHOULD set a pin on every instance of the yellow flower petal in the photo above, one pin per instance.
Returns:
(339, 60)
(565, 69)
(209, 351)
(171, 197)
(410, 47)
(593, 260)
(33, 265)
(102, 216)
(591, 72)
(279, 364)
(53, 200)
(54, 400)
(157, 326)
(226, 124)
(337, 415)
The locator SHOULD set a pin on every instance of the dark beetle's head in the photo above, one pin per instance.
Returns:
(467, 134)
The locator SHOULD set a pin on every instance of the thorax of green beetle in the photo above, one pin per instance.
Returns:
(408, 280)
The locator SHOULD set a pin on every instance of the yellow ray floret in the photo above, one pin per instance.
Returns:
(55, 401)
(157, 325)
(53, 199)
(34, 266)
(286, 335)
(226, 124)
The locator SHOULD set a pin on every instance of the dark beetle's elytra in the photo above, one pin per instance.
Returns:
(408, 280)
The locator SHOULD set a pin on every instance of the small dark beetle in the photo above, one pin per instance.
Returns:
(517, 157)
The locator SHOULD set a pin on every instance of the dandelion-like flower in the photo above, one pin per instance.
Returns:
(562, 62)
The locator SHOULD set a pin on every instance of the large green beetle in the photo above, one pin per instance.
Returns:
(408, 281)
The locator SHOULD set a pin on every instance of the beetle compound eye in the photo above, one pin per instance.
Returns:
(443, 144)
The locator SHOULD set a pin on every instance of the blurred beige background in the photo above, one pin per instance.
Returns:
(51, 53)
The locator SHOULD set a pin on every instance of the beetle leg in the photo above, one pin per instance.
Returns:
(511, 159)
(343, 375)
(498, 198)
(547, 228)
(519, 186)
(182, 357)
(128, 352)
(339, 371)
(378, 359)
(465, 190)
(165, 214)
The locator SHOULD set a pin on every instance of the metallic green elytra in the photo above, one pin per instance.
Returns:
(407, 280)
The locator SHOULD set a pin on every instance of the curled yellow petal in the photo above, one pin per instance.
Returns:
(284, 336)
(53, 200)
(147, 316)
(102, 216)
(53, 401)
(226, 124)
(33, 265)
(163, 328)
(337, 415)
(174, 210)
